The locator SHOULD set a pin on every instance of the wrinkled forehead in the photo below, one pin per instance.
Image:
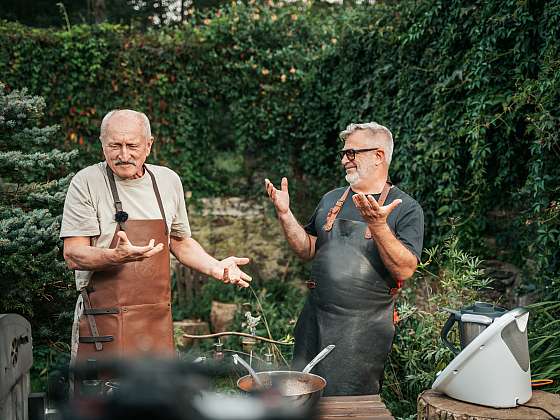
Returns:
(125, 126)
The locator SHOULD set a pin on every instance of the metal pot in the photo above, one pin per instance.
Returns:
(300, 388)
(472, 320)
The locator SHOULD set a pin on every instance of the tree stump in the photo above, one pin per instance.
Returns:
(189, 326)
(433, 405)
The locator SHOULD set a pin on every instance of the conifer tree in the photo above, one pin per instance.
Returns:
(35, 282)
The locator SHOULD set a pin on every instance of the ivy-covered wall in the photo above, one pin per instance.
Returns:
(226, 96)
(470, 91)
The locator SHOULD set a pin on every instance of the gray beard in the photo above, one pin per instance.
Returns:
(352, 178)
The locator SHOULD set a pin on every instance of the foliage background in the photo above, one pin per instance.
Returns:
(471, 92)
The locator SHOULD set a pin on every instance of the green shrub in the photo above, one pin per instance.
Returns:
(35, 281)
(450, 278)
(544, 342)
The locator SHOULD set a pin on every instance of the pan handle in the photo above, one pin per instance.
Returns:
(318, 358)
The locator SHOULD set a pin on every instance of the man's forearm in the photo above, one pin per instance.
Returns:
(299, 240)
(190, 253)
(400, 262)
(90, 258)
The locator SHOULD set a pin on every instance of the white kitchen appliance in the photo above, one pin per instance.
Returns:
(494, 368)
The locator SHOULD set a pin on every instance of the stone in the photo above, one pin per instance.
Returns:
(189, 326)
(222, 315)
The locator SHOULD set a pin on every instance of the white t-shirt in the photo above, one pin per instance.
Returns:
(89, 209)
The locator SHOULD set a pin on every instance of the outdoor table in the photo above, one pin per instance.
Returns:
(433, 405)
(360, 407)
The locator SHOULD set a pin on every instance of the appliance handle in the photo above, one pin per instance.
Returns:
(477, 319)
(445, 332)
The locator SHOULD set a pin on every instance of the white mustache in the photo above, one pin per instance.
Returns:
(122, 162)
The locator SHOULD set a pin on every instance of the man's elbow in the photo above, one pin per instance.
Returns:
(70, 263)
(305, 255)
(407, 272)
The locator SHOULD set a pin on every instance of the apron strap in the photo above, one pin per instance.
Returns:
(98, 339)
(101, 311)
(121, 216)
(333, 212)
(158, 197)
(91, 322)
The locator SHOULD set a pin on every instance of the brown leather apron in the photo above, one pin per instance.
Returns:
(127, 309)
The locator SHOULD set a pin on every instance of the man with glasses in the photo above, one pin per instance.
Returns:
(365, 240)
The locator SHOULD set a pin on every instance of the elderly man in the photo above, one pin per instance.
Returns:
(121, 219)
(365, 240)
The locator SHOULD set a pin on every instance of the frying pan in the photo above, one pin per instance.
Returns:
(298, 387)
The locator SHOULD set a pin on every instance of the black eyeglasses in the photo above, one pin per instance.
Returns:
(351, 153)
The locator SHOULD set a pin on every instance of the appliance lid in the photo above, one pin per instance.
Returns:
(488, 310)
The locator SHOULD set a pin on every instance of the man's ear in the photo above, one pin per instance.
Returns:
(380, 154)
(150, 142)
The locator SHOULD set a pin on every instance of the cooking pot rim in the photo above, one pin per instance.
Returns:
(322, 380)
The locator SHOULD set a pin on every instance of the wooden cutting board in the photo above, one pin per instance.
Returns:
(361, 407)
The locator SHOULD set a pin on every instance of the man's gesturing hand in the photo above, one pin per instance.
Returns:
(280, 198)
(371, 211)
(229, 272)
(126, 252)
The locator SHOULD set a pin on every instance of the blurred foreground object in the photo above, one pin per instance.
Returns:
(165, 389)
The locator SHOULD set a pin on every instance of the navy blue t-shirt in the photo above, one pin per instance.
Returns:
(406, 221)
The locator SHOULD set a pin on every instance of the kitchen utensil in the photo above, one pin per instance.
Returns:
(494, 368)
(237, 359)
(299, 387)
(318, 358)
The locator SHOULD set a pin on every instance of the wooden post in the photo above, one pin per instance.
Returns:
(435, 406)
(189, 282)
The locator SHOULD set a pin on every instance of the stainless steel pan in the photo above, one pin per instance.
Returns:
(298, 387)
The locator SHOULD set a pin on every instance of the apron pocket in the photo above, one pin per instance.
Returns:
(147, 330)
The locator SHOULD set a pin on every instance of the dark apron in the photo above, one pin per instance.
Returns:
(351, 306)
(127, 309)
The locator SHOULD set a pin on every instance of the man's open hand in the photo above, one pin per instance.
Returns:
(229, 271)
(126, 252)
(280, 198)
(374, 214)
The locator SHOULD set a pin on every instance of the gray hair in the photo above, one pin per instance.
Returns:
(374, 128)
(139, 115)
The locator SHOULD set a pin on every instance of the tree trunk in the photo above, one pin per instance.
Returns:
(99, 11)
(435, 406)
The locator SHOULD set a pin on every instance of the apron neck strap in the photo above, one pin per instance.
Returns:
(384, 193)
(333, 212)
(158, 197)
(121, 216)
(381, 202)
